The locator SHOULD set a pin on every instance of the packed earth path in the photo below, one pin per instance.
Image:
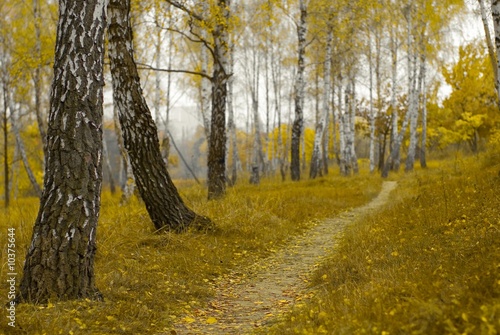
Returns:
(245, 302)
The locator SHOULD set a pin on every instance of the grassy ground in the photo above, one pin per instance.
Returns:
(429, 264)
(149, 281)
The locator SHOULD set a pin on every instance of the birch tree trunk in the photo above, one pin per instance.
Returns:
(298, 122)
(318, 150)
(5, 132)
(489, 42)
(37, 84)
(163, 202)
(495, 13)
(352, 128)
(423, 144)
(231, 125)
(217, 143)
(371, 112)
(394, 106)
(413, 108)
(22, 151)
(60, 260)
(206, 85)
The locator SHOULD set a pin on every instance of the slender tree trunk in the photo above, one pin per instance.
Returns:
(217, 143)
(317, 155)
(37, 83)
(298, 122)
(127, 181)
(396, 148)
(5, 129)
(107, 165)
(22, 151)
(489, 41)
(394, 106)
(371, 112)
(60, 260)
(163, 202)
(235, 160)
(423, 144)
(206, 85)
(413, 107)
(352, 131)
(495, 13)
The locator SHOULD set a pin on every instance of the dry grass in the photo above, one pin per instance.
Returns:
(430, 264)
(149, 281)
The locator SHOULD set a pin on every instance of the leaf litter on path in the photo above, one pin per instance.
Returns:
(244, 302)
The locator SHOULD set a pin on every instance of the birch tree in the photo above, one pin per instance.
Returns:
(298, 123)
(163, 202)
(60, 260)
(495, 13)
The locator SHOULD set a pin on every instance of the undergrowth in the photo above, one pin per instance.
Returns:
(428, 264)
(148, 280)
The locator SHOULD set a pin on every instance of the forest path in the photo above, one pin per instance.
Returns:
(276, 282)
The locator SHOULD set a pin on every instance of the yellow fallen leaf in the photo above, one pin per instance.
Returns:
(211, 320)
(189, 319)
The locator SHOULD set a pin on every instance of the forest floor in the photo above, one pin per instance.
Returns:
(246, 301)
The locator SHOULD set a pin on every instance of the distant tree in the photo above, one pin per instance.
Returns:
(298, 123)
(60, 260)
(163, 202)
(495, 13)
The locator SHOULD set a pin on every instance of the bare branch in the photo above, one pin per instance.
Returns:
(141, 66)
(188, 11)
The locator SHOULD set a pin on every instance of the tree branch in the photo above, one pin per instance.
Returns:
(141, 66)
(188, 11)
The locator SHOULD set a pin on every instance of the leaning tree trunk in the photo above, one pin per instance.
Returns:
(163, 202)
(60, 260)
(217, 143)
(22, 151)
(298, 122)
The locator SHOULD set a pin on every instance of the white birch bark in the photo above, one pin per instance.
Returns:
(206, 86)
(423, 145)
(317, 155)
(352, 129)
(489, 42)
(297, 128)
(495, 13)
(394, 92)
(371, 111)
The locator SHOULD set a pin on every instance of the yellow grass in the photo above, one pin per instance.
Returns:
(148, 280)
(430, 264)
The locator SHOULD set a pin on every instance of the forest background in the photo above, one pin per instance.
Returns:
(369, 70)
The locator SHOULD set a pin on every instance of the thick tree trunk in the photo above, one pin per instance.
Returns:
(163, 202)
(60, 260)
(217, 143)
(298, 122)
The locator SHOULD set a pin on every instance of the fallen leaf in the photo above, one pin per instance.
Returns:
(211, 320)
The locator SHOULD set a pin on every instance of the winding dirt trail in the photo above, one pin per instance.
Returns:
(276, 282)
